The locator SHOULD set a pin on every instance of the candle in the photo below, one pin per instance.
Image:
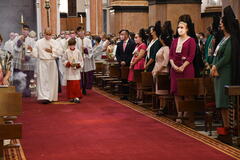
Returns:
(22, 19)
(81, 18)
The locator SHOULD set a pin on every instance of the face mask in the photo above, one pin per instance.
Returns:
(182, 31)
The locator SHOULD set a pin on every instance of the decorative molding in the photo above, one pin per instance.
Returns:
(65, 15)
(153, 2)
(129, 3)
(211, 14)
(130, 8)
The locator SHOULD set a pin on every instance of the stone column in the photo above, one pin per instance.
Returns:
(58, 17)
(39, 21)
(235, 5)
(53, 15)
(96, 16)
(131, 15)
(171, 10)
(87, 10)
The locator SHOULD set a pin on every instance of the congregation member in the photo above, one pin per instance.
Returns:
(5, 65)
(225, 69)
(73, 62)
(85, 46)
(97, 49)
(104, 42)
(46, 51)
(111, 50)
(124, 54)
(212, 41)
(153, 47)
(138, 60)
(162, 62)
(9, 45)
(182, 53)
(22, 61)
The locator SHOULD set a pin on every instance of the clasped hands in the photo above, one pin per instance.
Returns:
(214, 72)
(178, 69)
(69, 64)
(49, 50)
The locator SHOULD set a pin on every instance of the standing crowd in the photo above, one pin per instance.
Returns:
(69, 59)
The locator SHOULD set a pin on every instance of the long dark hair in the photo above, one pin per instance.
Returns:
(142, 34)
(231, 26)
(216, 31)
(167, 33)
(157, 28)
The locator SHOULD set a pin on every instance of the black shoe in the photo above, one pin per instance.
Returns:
(45, 102)
(84, 92)
(76, 100)
(124, 98)
(160, 113)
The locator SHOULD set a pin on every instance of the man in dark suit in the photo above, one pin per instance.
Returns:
(124, 54)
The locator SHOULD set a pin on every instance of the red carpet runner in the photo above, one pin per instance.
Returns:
(101, 129)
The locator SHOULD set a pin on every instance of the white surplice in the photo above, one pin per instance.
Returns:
(89, 62)
(21, 51)
(47, 72)
(9, 46)
(73, 57)
(62, 42)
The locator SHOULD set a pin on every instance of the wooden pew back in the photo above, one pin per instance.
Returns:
(163, 82)
(191, 89)
(147, 79)
(99, 67)
(138, 75)
(10, 104)
(115, 71)
(124, 72)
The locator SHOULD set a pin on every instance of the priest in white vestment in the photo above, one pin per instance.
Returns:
(22, 61)
(62, 42)
(9, 45)
(85, 46)
(46, 51)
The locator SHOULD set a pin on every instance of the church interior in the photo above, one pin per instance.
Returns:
(119, 79)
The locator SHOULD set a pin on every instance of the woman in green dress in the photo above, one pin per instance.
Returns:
(224, 69)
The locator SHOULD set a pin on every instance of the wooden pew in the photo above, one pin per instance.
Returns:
(124, 86)
(209, 103)
(192, 91)
(10, 105)
(147, 89)
(114, 75)
(103, 74)
(133, 86)
(234, 112)
(163, 83)
(115, 78)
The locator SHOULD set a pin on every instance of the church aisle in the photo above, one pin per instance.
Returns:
(102, 129)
